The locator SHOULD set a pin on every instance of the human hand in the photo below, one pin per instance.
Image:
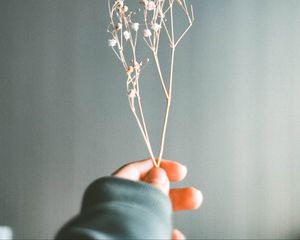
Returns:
(169, 171)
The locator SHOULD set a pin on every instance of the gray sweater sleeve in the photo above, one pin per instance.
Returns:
(115, 208)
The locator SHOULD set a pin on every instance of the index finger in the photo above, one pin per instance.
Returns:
(137, 170)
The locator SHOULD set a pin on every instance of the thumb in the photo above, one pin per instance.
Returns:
(157, 177)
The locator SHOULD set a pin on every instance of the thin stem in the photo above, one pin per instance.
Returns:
(116, 53)
(133, 46)
(160, 74)
(163, 135)
(123, 59)
(172, 20)
(168, 8)
(148, 43)
(145, 139)
(146, 25)
(136, 33)
(182, 35)
(141, 109)
(192, 10)
(142, 116)
(162, 143)
(167, 31)
(186, 11)
(133, 68)
(159, 31)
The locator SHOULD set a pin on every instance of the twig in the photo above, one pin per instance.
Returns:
(155, 24)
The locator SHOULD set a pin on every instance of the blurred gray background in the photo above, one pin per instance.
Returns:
(235, 118)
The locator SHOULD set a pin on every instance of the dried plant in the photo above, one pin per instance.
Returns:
(125, 34)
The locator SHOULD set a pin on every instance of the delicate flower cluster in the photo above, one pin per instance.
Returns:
(120, 9)
(149, 5)
(124, 34)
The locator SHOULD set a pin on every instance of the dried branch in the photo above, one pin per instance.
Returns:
(123, 30)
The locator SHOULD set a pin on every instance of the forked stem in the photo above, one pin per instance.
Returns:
(157, 20)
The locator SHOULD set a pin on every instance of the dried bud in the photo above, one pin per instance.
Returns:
(135, 26)
(147, 33)
(129, 70)
(119, 26)
(126, 35)
(131, 93)
(137, 65)
(156, 27)
(111, 42)
(120, 3)
(150, 5)
(161, 13)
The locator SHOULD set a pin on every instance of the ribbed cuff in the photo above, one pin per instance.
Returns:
(144, 211)
(108, 189)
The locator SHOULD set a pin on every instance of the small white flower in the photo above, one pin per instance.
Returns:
(125, 8)
(147, 33)
(135, 26)
(126, 35)
(111, 42)
(150, 5)
(156, 27)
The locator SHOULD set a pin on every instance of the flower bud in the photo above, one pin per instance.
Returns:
(126, 35)
(119, 26)
(111, 42)
(156, 27)
(150, 5)
(120, 2)
(135, 26)
(147, 33)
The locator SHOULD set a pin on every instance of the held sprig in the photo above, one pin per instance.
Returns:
(125, 34)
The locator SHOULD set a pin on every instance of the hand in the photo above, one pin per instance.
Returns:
(181, 198)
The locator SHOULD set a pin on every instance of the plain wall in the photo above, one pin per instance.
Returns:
(235, 118)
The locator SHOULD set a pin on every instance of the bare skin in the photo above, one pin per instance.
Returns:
(188, 198)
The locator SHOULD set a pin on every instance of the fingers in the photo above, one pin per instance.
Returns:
(137, 170)
(185, 198)
(181, 198)
(174, 170)
(157, 177)
(134, 171)
(177, 235)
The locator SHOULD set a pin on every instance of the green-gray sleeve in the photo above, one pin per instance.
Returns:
(115, 208)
